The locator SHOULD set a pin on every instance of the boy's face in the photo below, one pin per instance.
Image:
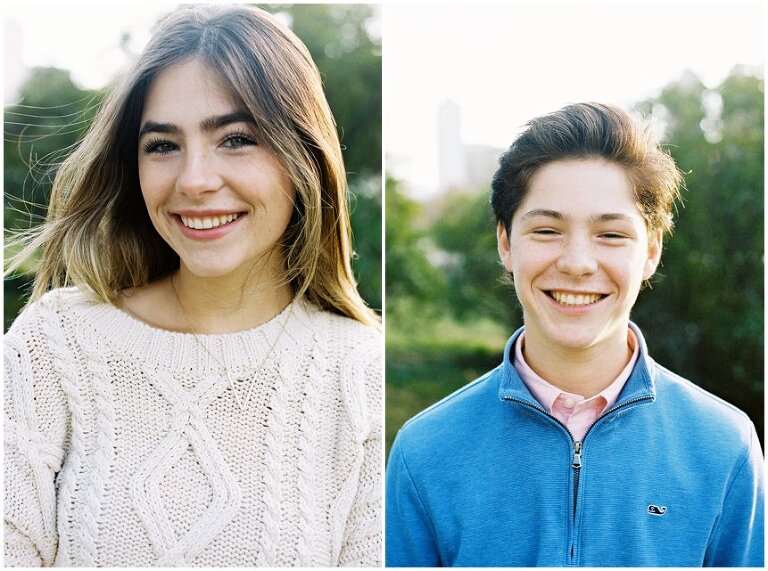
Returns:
(579, 250)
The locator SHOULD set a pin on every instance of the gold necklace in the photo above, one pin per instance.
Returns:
(241, 405)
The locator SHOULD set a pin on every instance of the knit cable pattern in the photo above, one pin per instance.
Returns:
(125, 445)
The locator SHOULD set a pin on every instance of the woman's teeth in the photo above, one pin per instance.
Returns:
(208, 221)
(575, 299)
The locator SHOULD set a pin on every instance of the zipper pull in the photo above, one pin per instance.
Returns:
(576, 455)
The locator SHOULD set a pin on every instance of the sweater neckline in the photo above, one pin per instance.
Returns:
(162, 349)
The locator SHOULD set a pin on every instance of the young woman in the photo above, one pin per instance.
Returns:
(578, 450)
(197, 381)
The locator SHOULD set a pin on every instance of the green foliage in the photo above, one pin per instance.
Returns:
(704, 316)
(365, 206)
(39, 132)
(430, 359)
(465, 232)
(414, 286)
(52, 117)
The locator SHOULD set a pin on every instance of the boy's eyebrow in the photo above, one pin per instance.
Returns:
(545, 212)
(610, 217)
(605, 217)
(208, 124)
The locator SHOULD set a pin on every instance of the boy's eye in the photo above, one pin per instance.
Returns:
(545, 231)
(159, 147)
(613, 235)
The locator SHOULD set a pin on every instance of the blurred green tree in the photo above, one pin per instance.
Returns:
(365, 208)
(414, 286)
(466, 234)
(54, 115)
(343, 41)
(704, 317)
(38, 134)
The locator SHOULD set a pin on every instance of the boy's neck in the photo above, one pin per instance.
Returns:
(584, 371)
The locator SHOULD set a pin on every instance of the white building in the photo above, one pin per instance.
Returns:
(461, 167)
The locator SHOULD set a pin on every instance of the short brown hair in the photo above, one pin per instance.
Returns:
(584, 130)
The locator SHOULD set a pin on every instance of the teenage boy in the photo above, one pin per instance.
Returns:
(578, 449)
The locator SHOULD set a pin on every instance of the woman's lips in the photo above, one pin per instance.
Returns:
(210, 226)
(208, 222)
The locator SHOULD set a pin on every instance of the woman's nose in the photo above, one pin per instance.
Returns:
(198, 174)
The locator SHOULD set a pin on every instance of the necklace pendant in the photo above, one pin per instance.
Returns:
(232, 383)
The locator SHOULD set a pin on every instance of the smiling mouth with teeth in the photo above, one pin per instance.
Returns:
(575, 299)
(208, 222)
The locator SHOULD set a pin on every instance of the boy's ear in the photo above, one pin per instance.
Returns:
(504, 247)
(654, 255)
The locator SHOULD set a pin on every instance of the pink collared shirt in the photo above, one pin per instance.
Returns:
(574, 411)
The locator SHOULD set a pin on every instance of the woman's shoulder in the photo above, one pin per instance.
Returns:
(355, 352)
(341, 330)
(40, 339)
(49, 309)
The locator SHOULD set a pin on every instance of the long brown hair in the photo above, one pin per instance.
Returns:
(98, 234)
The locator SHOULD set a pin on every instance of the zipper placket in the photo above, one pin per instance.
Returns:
(578, 446)
(576, 465)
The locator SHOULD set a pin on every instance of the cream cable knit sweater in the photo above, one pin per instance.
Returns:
(124, 445)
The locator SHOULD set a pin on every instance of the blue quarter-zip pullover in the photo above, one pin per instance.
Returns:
(669, 476)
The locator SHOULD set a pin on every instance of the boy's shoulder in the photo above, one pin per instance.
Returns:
(440, 425)
(701, 411)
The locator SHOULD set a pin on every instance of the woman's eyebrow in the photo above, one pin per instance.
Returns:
(157, 127)
(208, 124)
(219, 121)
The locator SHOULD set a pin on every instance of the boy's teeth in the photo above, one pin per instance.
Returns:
(574, 299)
(208, 221)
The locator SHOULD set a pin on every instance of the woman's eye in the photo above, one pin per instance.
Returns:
(159, 147)
(238, 141)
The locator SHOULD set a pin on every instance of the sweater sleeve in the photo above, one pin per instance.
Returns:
(362, 542)
(737, 540)
(34, 434)
(362, 545)
(410, 540)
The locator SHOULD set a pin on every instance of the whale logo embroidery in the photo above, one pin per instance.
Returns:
(656, 510)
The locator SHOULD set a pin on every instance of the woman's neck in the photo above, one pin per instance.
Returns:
(226, 304)
(188, 303)
(586, 371)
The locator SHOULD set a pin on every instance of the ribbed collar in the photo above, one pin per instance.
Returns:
(161, 349)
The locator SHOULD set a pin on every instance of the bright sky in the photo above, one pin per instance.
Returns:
(504, 64)
(84, 38)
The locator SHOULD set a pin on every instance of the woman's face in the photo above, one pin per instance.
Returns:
(578, 249)
(217, 196)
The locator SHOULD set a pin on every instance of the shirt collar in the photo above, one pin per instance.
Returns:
(639, 385)
(547, 393)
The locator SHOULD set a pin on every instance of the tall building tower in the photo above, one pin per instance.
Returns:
(452, 164)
